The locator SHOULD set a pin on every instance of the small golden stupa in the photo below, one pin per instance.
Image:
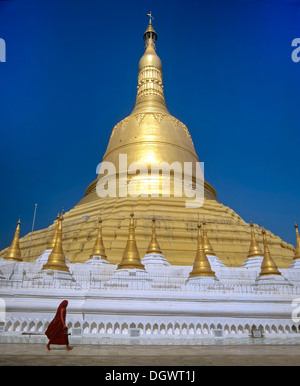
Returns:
(56, 260)
(268, 265)
(254, 249)
(54, 237)
(99, 249)
(153, 246)
(297, 251)
(131, 257)
(201, 266)
(13, 253)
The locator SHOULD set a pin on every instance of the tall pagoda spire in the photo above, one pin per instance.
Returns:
(150, 32)
(131, 257)
(150, 90)
(14, 252)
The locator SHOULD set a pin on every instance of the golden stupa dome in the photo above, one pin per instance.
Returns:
(150, 134)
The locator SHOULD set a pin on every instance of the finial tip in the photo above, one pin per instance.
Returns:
(150, 17)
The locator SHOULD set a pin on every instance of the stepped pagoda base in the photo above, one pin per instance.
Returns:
(253, 262)
(133, 278)
(295, 264)
(97, 259)
(274, 280)
(200, 281)
(155, 260)
(50, 276)
(228, 233)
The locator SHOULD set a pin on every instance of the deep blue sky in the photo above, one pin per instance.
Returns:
(71, 75)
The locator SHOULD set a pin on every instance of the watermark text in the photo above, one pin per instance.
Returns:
(152, 179)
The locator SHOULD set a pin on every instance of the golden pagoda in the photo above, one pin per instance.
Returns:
(150, 134)
(56, 260)
(53, 240)
(201, 266)
(268, 265)
(254, 249)
(153, 246)
(14, 252)
(131, 257)
(99, 249)
(297, 250)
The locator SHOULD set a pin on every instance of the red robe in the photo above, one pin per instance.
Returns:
(57, 331)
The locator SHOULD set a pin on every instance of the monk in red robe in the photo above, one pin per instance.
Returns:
(57, 331)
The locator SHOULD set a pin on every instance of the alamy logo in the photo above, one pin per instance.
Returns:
(155, 180)
(296, 51)
(2, 50)
(2, 311)
(296, 311)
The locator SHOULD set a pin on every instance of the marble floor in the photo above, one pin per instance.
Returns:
(36, 354)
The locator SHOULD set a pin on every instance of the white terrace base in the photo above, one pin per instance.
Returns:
(295, 264)
(158, 305)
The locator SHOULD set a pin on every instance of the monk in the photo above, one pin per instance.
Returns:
(57, 331)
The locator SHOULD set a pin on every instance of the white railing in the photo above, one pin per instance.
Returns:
(151, 282)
